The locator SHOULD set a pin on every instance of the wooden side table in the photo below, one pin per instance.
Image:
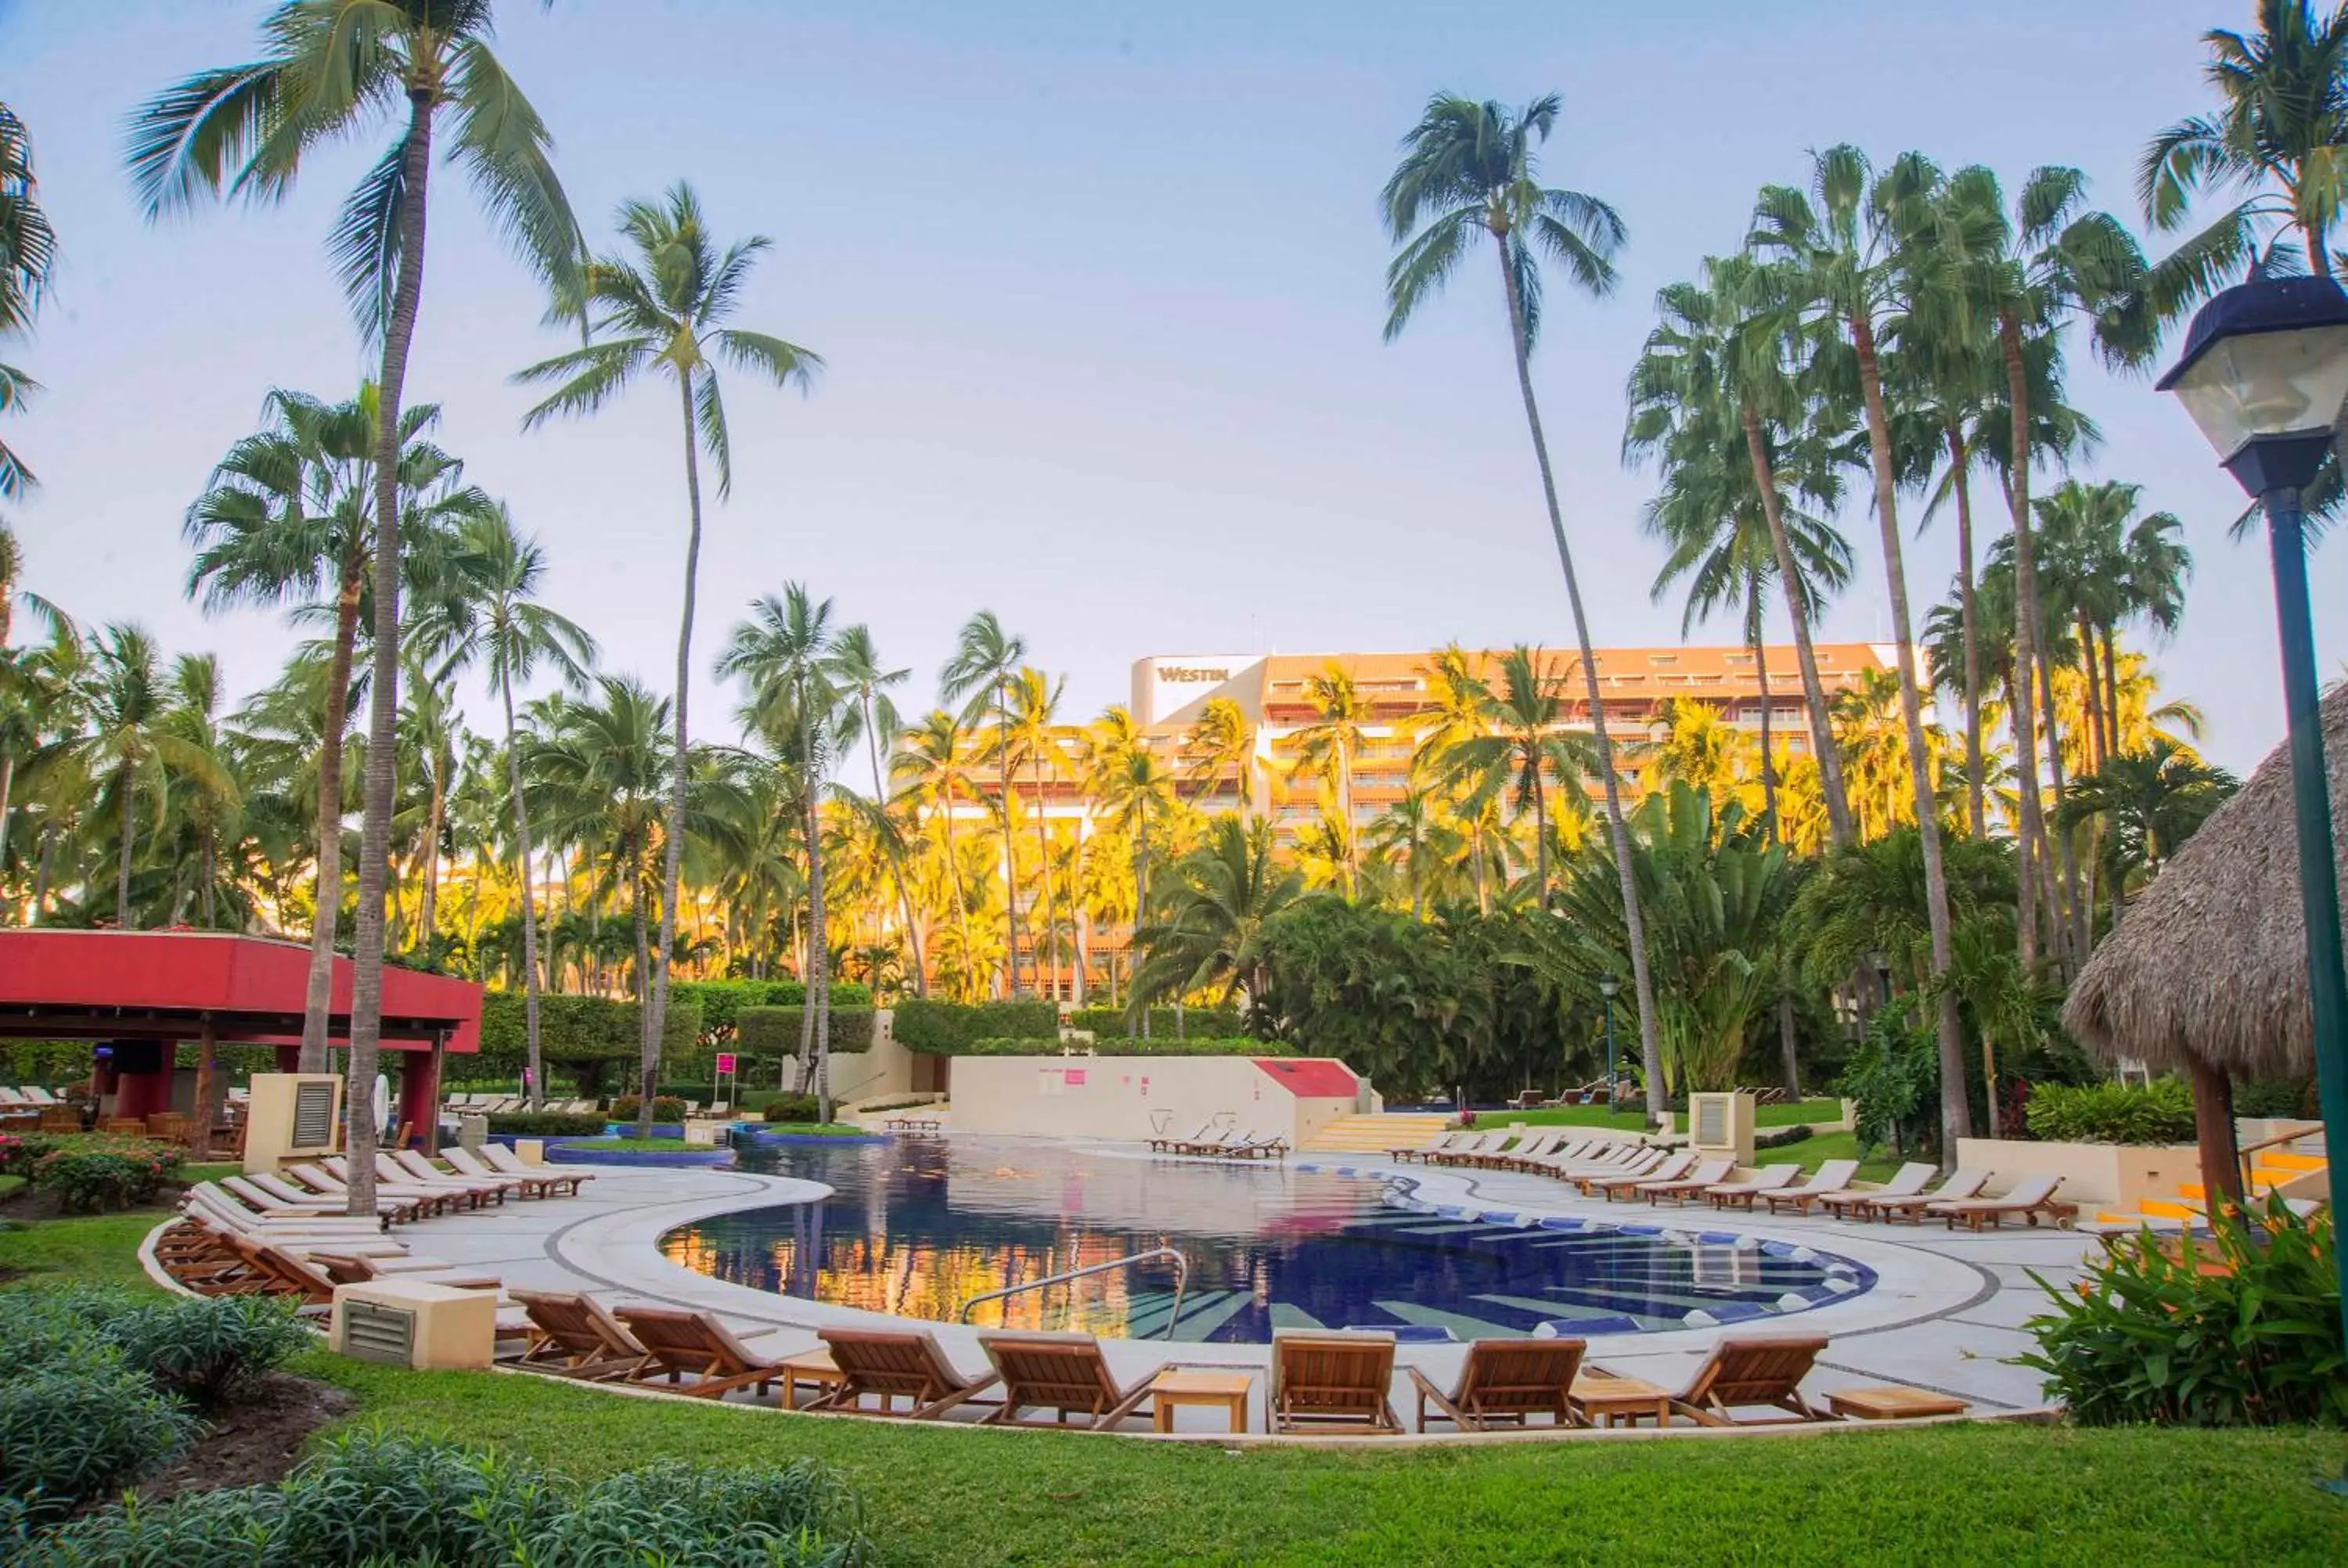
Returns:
(1890, 1402)
(1602, 1396)
(1176, 1388)
(814, 1367)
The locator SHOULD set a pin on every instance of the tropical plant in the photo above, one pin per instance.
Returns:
(661, 310)
(871, 716)
(1211, 913)
(982, 675)
(330, 68)
(1524, 750)
(1327, 747)
(2150, 801)
(27, 251)
(1470, 168)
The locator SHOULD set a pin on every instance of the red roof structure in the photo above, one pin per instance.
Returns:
(1310, 1077)
(167, 985)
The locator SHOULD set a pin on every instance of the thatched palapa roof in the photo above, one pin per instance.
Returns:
(2211, 959)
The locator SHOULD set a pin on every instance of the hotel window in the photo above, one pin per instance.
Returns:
(1662, 658)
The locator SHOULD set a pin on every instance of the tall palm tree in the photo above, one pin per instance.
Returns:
(207, 800)
(27, 251)
(663, 310)
(933, 764)
(495, 618)
(1221, 740)
(1717, 374)
(1035, 702)
(980, 675)
(1470, 168)
(1523, 749)
(2153, 800)
(2279, 136)
(863, 677)
(1457, 703)
(287, 516)
(331, 67)
(1844, 243)
(1326, 747)
(1135, 790)
(1211, 915)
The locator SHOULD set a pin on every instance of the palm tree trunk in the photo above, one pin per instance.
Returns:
(126, 799)
(383, 726)
(1642, 980)
(2073, 930)
(2025, 634)
(2112, 691)
(1761, 679)
(673, 850)
(1797, 608)
(1140, 901)
(896, 857)
(648, 1063)
(1540, 836)
(318, 997)
(529, 904)
(954, 872)
(2311, 235)
(1787, 1039)
(2091, 695)
(1956, 1110)
(44, 874)
(1010, 854)
(818, 995)
(1043, 859)
(210, 872)
(427, 913)
(1976, 787)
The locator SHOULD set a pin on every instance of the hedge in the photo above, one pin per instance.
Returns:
(722, 1002)
(1130, 1045)
(945, 1028)
(1222, 1022)
(547, 1123)
(773, 1032)
(572, 1028)
(2160, 1112)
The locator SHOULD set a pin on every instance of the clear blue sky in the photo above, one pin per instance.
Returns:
(1100, 288)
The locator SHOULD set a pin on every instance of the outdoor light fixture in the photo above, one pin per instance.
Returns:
(1610, 986)
(2264, 374)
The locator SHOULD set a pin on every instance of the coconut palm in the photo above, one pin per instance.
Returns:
(1035, 702)
(1326, 748)
(495, 618)
(2278, 137)
(1412, 830)
(982, 675)
(862, 676)
(206, 801)
(934, 763)
(1211, 913)
(1456, 708)
(1470, 168)
(1135, 791)
(286, 517)
(330, 68)
(1220, 742)
(27, 251)
(1717, 375)
(663, 311)
(1846, 245)
(2150, 801)
(1524, 749)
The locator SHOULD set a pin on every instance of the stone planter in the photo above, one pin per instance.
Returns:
(2117, 1176)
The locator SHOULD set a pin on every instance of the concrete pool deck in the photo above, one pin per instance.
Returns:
(1945, 1312)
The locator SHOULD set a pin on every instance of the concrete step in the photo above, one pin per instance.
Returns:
(1376, 1134)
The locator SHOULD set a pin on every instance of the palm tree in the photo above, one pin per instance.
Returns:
(1522, 749)
(1470, 167)
(980, 675)
(1326, 747)
(1413, 829)
(27, 251)
(934, 763)
(1849, 247)
(2152, 801)
(1212, 913)
(784, 653)
(207, 800)
(664, 310)
(1133, 788)
(2279, 136)
(1716, 374)
(286, 516)
(860, 672)
(1035, 699)
(1220, 742)
(1457, 703)
(496, 618)
(332, 67)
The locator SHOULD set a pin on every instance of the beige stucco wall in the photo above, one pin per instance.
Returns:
(882, 1072)
(2118, 1175)
(1132, 1097)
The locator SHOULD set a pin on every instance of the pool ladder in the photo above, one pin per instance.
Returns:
(1181, 1282)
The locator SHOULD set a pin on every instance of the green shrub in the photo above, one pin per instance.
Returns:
(63, 1326)
(2277, 1100)
(1779, 1137)
(547, 1123)
(1894, 1075)
(573, 1030)
(1129, 1045)
(721, 1002)
(666, 1108)
(209, 1350)
(940, 1028)
(2157, 1340)
(91, 1174)
(70, 1434)
(2161, 1112)
(373, 1497)
(791, 1108)
(772, 1033)
(1164, 1022)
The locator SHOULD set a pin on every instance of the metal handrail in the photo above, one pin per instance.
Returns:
(1181, 1282)
(2242, 1155)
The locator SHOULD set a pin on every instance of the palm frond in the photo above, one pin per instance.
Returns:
(503, 146)
(365, 244)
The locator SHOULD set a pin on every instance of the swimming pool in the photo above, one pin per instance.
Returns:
(916, 1226)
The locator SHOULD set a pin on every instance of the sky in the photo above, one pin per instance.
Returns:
(1099, 292)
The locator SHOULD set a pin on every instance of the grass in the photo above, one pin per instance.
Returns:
(639, 1145)
(1816, 1150)
(816, 1129)
(11, 1185)
(1636, 1121)
(102, 1247)
(1980, 1493)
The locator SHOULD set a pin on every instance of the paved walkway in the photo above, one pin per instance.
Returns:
(1945, 1313)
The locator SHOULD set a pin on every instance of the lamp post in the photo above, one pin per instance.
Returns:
(2264, 374)
(1880, 962)
(1610, 986)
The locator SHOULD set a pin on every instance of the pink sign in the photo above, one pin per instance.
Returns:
(725, 1062)
(1075, 1076)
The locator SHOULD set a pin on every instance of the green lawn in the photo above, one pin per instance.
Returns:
(1636, 1121)
(1815, 1151)
(816, 1129)
(2007, 1495)
(635, 1146)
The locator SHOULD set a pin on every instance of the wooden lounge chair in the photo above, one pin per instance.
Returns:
(1439, 1141)
(890, 1365)
(1662, 1168)
(1064, 1373)
(1707, 1174)
(678, 1341)
(2030, 1197)
(1333, 1382)
(577, 1337)
(1906, 1183)
(505, 1161)
(1607, 1159)
(1741, 1195)
(1832, 1178)
(465, 1162)
(1166, 1145)
(1963, 1182)
(1506, 1382)
(1741, 1373)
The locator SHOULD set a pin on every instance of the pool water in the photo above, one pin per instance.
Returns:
(918, 1226)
